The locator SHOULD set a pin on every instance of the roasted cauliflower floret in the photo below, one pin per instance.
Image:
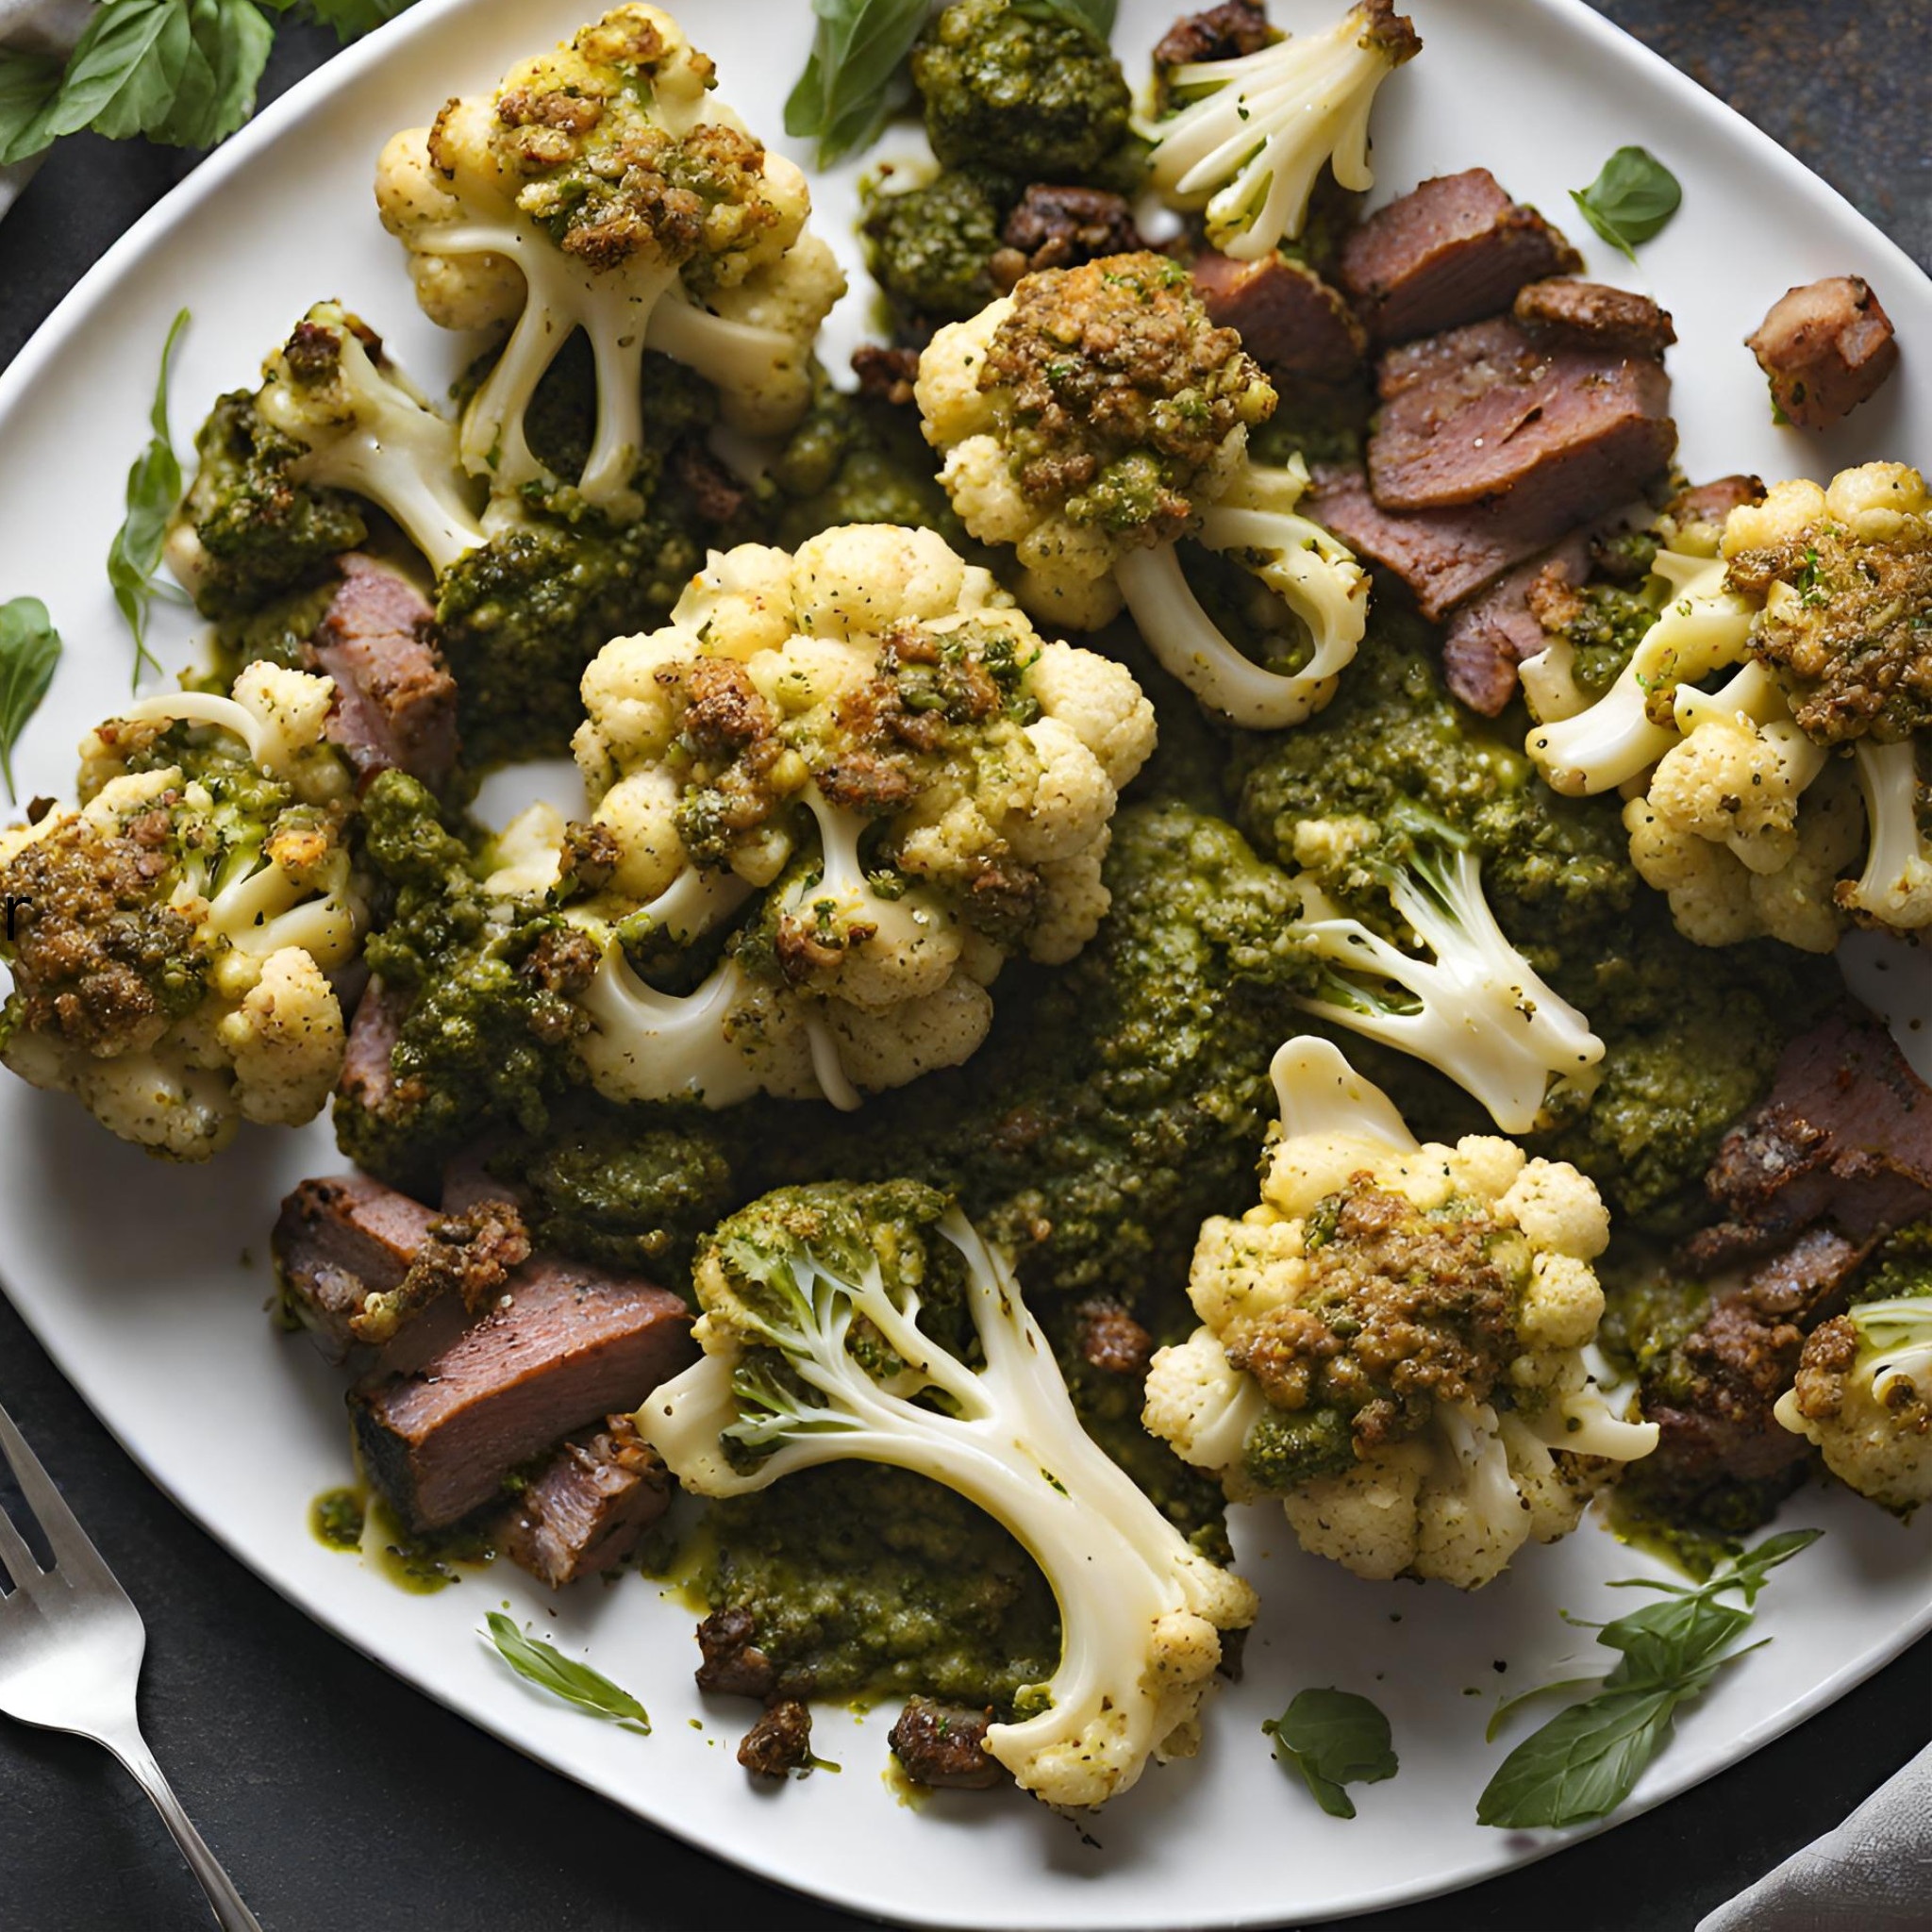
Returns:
(1391, 1340)
(176, 929)
(601, 187)
(869, 736)
(1096, 417)
(1863, 1391)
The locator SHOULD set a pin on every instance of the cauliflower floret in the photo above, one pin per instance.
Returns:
(1735, 785)
(286, 1039)
(1391, 1340)
(860, 733)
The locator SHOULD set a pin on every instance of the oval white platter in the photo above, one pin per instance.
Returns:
(147, 1284)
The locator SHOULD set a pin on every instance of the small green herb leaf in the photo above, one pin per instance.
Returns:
(154, 488)
(29, 649)
(1632, 197)
(228, 47)
(1333, 1738)
(1584, 1762)
(855, 78)
(545, 1666)
(352, 19)
(29, 84)
(1095, 16)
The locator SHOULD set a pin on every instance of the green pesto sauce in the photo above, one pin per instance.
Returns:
(352, 1521)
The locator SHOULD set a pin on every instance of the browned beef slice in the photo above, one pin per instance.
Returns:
(1063, 227)
(1288, 318)
(1845, 1135)
(367, 1076)
(1443, 555)
(336, 1243)
(944, 1744)
(1448, 252)
(1221, 33)
(779, 1743)
(1484, 410)
(1826, 348)
(584, 1511)
(1491, 635)
(566, 1346)
(1716, 1424)
(1712, 503)
(395, 700)
(1565, 309)
(467, 1180)
(733, 1665)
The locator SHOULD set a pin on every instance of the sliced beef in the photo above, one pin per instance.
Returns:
(584, 1509)
(1443, 555)
(779, 1743)
(1221, 33)
(564, 1345)
(1564, 310)
(1484, 411)
(1712, 1396)
(1826, 348)
(1712, 503)
(368, 1076)
(1062, 228)
(1491, 635)
(944, 1744)
(467, 1180)
(1449, 252)
(1845, 1137)
(1288, 318)
(381, 1282)
(396, 706)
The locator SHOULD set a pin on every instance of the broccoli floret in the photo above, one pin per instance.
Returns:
(1032, 87)
(930, 248)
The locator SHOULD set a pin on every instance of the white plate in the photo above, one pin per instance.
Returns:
(147, 1284)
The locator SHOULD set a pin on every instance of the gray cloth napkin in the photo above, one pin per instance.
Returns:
(1873, 1873)
(36, 27)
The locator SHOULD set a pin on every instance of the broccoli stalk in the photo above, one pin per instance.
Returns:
(1476, 1009)
(1250, 149)
(1313, 571)
(811, 1357)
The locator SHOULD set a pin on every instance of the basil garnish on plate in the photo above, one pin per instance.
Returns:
(1583, 1763)
(1632, 197)
(29, 649)
(1333, 1738)
(545, 1666)
(854, 79)
(154, 488)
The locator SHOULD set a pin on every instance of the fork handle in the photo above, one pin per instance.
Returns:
(231, 1915)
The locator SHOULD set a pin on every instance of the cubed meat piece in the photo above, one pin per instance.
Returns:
(885, 375)
(1451, 251)
(1491, 635)
(1564, 310)
(716, 496)
(1443, 555)
(564, 1347)
(1110, 1339)
(1288, 317)
(1221, 33)
(779, 1743)
(382, 1282)
(584, 1509)
(1484, 410)
(1824, 348)
(395, 704)
(944, 1744)
(1844, 1136)
(1062, 228)
(733, 1665)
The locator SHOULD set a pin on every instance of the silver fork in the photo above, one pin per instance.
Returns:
(71, 1645)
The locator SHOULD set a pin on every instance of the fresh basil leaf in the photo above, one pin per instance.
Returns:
(126, 70)
(229, 42)
(854, 79)
(352, 19)
(29, 85)
(545, 1666)
(29, 649)
(1095, 16)
(1632, 197)
(154, 488)
(1333, 1738)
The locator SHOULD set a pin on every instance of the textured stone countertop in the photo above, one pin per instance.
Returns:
(342, 1800)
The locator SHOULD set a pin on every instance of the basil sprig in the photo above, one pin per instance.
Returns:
(29, 649)
(1632, 197)
(182, 73)
(855, 78)
(1333, 1738)
(154, 488)
(1583, 1763)
(545, 1666)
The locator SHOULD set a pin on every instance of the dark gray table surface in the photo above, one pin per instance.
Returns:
(340, 1799)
